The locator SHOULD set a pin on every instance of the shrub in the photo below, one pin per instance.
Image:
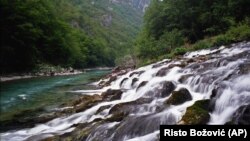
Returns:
(180, 51)
(202, 45)
(239, 33)
(222, 40)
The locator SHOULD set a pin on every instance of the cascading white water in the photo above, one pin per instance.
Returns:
(221, 69)
(235, 95)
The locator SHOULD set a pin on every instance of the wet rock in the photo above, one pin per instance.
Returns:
(46, 117)
(190, 60)
(162, 72)
(111, 94)
(24, 119)
(135, 126)
(214, 93)
(111, 78)
(165, 70)
(244, 68)
(102, 108)
(123, 81)
(194, 66)
(181, 65)
(81, 132)
(86, 102)
(117, 117)
(143, 83)
(129, 107)
(184, 78)
(117, 69)
(102, 83)
(198, 113)
(179, 97)
(242, 116)
(43, 137)
(134, 80)
(202, 58)
(160, 64)
(136, 73)
(166, 89)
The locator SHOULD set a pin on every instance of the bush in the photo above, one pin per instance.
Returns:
(222, 40)
(239, 33)
(202, 45)
(180, 51)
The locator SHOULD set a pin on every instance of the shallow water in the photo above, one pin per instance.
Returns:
(42, 93)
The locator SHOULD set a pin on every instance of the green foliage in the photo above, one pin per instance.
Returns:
(64, 33)
(234, 34)
(222, 40)
(169, 24)
(203, 44)
(238, 33)
(180, 51)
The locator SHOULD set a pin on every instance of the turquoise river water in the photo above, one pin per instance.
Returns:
(42, 93)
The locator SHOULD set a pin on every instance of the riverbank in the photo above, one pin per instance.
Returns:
(27, 102)
(12, 77)
(53, 72)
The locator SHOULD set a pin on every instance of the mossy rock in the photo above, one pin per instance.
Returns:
(179, 97)
(86, 102)
(198, 113)
(102, 108)
(111, 94)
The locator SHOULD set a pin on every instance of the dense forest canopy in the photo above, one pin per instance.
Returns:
(169, 24)
(75, 33)
(90, 33)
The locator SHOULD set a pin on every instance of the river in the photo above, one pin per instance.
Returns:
(42, 94)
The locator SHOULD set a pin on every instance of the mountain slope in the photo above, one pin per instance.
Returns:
(77, 33)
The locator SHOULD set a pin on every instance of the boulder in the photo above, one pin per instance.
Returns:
(198, 113)
(143, 83)
(242, 116)
(166, 88)
(134, 80)
(179, 97)
(111, 94)
(165, 70)
(86, 102)
(102, 108)
(162, 72)
(136, 73)
(190, 60)
(184, 78)
(117, 117)
(123, 81)
(244, 68)
(160, 64)
(111, 78)
(128, 107)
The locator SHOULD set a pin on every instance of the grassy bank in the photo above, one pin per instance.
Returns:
(235, 34)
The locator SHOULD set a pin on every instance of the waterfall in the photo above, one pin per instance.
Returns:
(220, 75)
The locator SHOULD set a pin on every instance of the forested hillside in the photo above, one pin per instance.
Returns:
(75, 33)
(173, 27)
